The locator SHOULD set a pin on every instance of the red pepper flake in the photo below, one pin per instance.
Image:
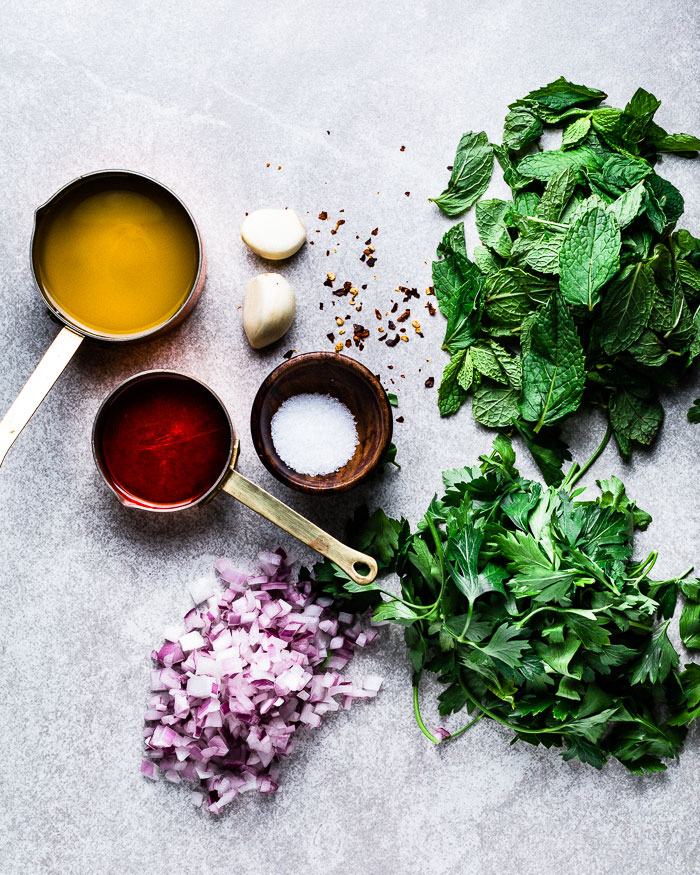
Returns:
(364, 287)
(392, 326)
(394, 308)
(407, 193)
(371, 261)
(394, 340)
(399, 418)
(328, 252)
(289, 354)
(374, 232)
(430, 308)
(390, 367)
(430, 290)
(402, 330)
(402, 149)
(331, 337)
(377, 313)
(382, 337)
(408, 293)
(404, 316)
(348, 343)
(323, 216)
(337, 225)
(430, 382)
(450, 167)
(320, 306)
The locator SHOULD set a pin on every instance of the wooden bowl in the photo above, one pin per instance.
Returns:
(327, 373)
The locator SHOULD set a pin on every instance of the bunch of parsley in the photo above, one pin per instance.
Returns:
(582, 290)
(526, 602)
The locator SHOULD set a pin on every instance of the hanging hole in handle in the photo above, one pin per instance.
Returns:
(364, 572)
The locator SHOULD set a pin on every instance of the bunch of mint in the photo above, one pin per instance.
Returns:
(582, 291)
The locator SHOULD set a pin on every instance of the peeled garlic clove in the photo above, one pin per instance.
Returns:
(273, 234)
(268, 309)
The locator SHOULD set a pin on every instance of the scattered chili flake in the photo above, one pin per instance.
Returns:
(450, 167)
(331, 336)
(311, 242)
(338, 320)
(268, 164)
(394, 308)
(339, 346)
(337, 225)
(377, 313)
(402, 149)
(374, 232)
(371, 261)
(415, 323)
(360, 331)
(342, 331)
(390, 367)
(381, 330)
(404, 338)
(392, 326)
(431, 309)
(364, 287)
(394, 340)
(407, 193)
(279, 167)
(328, 252)
(348, 343)
(404, 316)
(320, 306)
(323, 216)
(381, 336)
(430, 290)
(289, 354)
(402, 330)
(399, 418)
(430, 382)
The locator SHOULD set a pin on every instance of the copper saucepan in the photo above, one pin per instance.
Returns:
(73, 333)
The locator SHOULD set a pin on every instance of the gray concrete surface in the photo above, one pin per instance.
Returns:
(203, 96)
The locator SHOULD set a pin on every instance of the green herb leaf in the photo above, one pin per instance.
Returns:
(589, 257)
(471, 174)
(451, 394)
(626, 308)
(553, 372)
(658, 659)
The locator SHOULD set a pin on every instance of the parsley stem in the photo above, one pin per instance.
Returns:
(419, 720)
(424, 729)
(581, 471)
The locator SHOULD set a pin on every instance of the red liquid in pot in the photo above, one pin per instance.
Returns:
(165, 441)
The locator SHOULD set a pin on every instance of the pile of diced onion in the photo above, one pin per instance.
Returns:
(256, 663)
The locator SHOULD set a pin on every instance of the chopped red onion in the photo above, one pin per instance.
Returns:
(254, 665)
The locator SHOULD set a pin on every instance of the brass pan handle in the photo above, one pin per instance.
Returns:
(295, 524)
(37, 387)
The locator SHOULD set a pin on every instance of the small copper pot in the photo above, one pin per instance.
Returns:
(65, 345)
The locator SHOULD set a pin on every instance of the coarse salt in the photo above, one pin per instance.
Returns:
(314, 434)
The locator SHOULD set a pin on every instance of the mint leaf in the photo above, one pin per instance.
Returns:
(635, 415)
(561, 95)
(589, 257)
(626, 308)
(451, 394)
(543, 165)
(495, 406)
(491, 226)
(471, 174)
(557, 195)
(576, 132)
(553, 374)
(521, 126)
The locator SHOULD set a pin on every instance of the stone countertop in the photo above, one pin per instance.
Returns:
(240, 106)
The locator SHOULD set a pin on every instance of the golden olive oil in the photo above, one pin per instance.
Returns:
(117, 256)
